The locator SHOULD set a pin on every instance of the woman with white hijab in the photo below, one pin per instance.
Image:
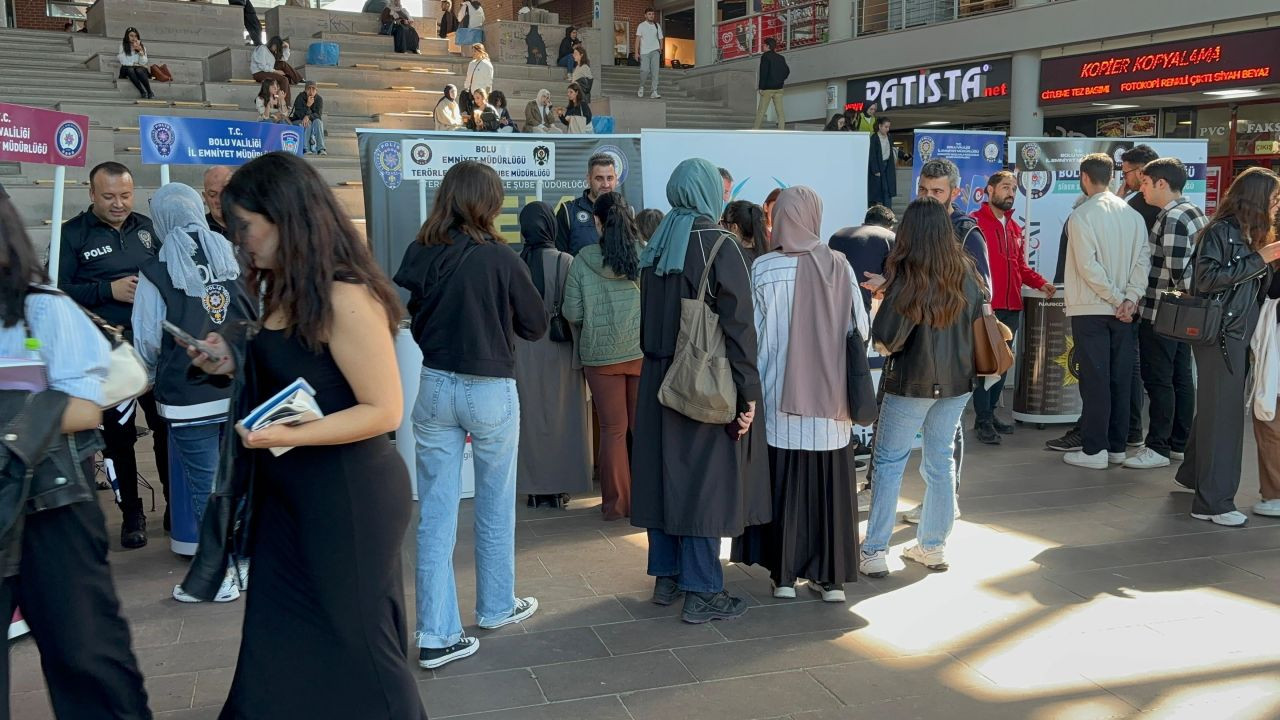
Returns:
(194, 283)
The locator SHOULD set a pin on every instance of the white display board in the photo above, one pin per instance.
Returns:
(833, 164)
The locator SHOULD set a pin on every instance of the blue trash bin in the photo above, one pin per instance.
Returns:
(466, 37)
(323, 53)
(602, 124)
(184, 535)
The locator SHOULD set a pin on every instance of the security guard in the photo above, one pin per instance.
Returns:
(575, 221)
(102, 249)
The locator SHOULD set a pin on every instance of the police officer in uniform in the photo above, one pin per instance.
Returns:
(575, 221)
(102, 249)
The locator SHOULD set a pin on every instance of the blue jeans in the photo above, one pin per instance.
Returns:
(199, 448)
(900, 419)
(313, 137)
(567, 62)
(451, 405)
(693, 561)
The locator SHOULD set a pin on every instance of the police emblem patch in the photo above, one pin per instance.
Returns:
(583, 216)
(144, 237)
(216, 299)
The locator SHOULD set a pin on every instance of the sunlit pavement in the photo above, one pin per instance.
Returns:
(1072, 594)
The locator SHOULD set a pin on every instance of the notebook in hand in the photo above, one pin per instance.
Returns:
(293, 405)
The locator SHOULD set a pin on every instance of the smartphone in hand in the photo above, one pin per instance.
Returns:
(188, 340)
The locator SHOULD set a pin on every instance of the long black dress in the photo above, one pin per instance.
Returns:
(324, 626)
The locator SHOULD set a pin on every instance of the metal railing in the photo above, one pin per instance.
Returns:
(794, 24)
(877, 16)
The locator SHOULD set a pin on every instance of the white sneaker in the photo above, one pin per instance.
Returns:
(784, 592)
(864, 500)
(1175, 455)
(875, 565)
(1179, 487)
(1267, 508)
(242, 571)
(640, 92)
(227, 592)
(935, 559)
(523, 610)
(830, 593)
(1116, 458)
(655, 95)
(1235, 518)
(912, 516)
(1096, 461)
(1145, 459)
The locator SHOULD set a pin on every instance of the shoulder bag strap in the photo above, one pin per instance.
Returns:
(559, 293)
(706, 271)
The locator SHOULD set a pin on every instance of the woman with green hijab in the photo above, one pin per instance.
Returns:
(694, 483)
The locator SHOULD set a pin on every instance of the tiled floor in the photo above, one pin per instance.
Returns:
(1073, 594)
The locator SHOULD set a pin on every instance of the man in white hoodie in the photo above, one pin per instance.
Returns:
(1108, 259)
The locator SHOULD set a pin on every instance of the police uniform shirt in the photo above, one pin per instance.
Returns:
(94, 254)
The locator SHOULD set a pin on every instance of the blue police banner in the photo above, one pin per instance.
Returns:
(976, 153)
(202, 141)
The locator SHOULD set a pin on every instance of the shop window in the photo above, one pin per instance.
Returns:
(1257, 129)
(1214, 125)
(1179, 123)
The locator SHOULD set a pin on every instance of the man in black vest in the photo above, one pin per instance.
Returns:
(575, 221)
(102, 249)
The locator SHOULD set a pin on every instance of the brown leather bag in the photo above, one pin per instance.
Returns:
(991, 352)
(160, 73)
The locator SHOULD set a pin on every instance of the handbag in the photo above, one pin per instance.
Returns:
(558, 328)
(1189, 318)
(127, 376)
(160, 73)
(699, 383)
(991, 352)
(863, 408)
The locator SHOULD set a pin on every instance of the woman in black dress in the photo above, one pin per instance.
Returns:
(324, 629)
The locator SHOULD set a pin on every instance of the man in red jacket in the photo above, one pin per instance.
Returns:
(1007, 252)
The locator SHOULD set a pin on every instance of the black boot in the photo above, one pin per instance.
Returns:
(704, 607)
(133, 531)
(986, 433)
(665, 591)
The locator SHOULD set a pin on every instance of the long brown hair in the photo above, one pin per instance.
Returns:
(318, 245)
(926, 269)
(469, 199)
(19, 266)
(1248, 202)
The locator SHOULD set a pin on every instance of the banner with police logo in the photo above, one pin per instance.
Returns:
(1048, 171)
(552, 168)
(203, 141)
(977, 154)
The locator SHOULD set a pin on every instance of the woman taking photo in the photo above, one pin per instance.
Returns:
(814, 531)
(577, 117)
(330, 513)
(602, 300)
(471, 297)
(270, 103)
(1232, 258)
(931, 295)
(133, 63)
(692, 482)
(745, 220)
(447, 115)
(555, 419)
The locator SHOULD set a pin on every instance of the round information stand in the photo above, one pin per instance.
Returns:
(1048, 389)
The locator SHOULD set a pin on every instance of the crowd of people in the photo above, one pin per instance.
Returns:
(268, 281)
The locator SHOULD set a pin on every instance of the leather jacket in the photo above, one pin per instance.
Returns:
(923, 361)
(1225, 265)
(41, 468)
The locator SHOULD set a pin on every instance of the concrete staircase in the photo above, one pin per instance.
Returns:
(684, 109)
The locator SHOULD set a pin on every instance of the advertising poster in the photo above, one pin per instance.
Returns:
(47, 137)
(201, 141)
(391, 198)
(430, 159)
(1048, 172)
(977, 154)
(833, 164)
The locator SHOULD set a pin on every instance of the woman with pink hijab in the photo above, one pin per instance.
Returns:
(806, 304)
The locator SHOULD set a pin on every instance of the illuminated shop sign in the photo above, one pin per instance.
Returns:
(1214, 63)
(931, 87)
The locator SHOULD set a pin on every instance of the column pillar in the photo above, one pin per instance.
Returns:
(4, 13)
(1025, 116)
(704, 32)
(840, 20)
(602, 18)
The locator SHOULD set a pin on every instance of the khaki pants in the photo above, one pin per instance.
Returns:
(1268, 436)
(766, 97)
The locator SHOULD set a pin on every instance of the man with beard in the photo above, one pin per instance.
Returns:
(1007, 253)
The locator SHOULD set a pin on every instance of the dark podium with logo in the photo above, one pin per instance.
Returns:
(1048, 389)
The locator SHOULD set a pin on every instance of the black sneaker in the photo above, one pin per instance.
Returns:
(1069, 442)
(525, 607)
(1001, 426)
(429, 658)
(861, 450)
(133, 531)
(986, 433)
(665, 591)
(705, 607)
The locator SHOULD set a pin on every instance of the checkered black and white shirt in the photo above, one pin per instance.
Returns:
(1173, 241)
